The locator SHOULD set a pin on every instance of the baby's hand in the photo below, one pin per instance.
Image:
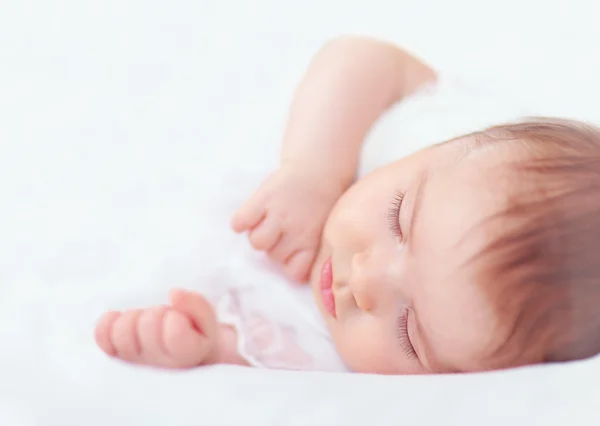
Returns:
(286, 215)
(181, 335)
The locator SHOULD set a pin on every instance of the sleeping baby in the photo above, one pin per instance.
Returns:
(478, 253)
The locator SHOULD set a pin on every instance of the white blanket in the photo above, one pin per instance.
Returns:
(131, 130)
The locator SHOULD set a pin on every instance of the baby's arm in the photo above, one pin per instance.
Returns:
(347, 87)
(183, 334)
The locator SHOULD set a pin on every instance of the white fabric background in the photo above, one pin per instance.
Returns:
(119, 122)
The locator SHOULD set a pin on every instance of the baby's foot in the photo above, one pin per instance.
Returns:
(181, 335)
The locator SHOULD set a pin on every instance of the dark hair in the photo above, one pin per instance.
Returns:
(542, 273)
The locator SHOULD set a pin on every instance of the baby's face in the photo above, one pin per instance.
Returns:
(392, 278)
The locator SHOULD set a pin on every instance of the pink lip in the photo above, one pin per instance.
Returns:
(326, 291)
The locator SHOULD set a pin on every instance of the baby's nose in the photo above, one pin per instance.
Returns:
(368, 279)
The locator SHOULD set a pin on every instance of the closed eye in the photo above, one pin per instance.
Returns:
(405, 343)
(394, 214)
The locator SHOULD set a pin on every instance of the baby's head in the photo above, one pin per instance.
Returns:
(479, 253)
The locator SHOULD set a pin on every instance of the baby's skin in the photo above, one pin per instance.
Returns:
(359, 244)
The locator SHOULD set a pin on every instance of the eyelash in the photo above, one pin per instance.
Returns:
(394, 222)
(394, 214)
(407, 346)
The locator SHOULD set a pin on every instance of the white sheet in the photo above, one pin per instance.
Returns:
(118, 123)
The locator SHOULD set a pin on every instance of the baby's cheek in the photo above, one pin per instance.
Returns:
(369, 353)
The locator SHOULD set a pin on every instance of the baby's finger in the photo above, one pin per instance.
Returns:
(153, 350)
(124, 336)
(103, 330)
(265, 236)
(201, 339)
(197, 308)
(299, 263)
(184, 344)
(249, 215)
(284, 248)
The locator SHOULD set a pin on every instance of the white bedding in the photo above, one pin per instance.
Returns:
(130, 130)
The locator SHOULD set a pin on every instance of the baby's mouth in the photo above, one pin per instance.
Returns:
(325, 283)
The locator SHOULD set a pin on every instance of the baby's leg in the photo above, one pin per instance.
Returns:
(183, 335)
